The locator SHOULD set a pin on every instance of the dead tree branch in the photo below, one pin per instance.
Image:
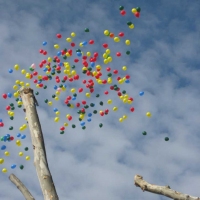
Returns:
(21, 187)
(40, 158)
(162, 190)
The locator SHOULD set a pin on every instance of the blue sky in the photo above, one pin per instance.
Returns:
(164, 63)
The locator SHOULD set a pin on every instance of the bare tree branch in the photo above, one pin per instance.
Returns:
(21, 187)
(162, 190)
(40, 158)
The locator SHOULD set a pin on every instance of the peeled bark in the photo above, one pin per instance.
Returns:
(40, 159)
(162, 190)
(21, 187)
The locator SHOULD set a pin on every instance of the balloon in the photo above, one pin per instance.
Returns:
(4, 170)
(100, 125)
(116, 39)
(132, 109)
(123, 12)
(58, 35)
(134, 10)
(27, 157)
(44, 43)
(121, 8)
(13, 166)
(148, 114)
(1, 160)
(21, 154)
(10, 71)
(87, 30)
(3, 147)
(21, 167)
(23, 136)
(141, 93)
(6, 153)
(124, 68)
(73, 34)
(144, 132)
(138, 9)
(127, 42)
(166, 138)
(137, 14)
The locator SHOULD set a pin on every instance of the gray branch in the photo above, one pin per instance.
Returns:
(40, 158)
(162, 190)
(21, 187)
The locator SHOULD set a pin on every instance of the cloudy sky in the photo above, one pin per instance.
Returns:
(101, 163)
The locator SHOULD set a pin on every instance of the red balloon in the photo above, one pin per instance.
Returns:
(102, 113)
(76, 60)
(137, 14)
(45, 53)
(84, 102)
(108, 69)
(106, 92)
(1, 124)
(104, 81)
(73, 44)
(58, 35)
(70, 118)
(78, 105)
(7, 107)
(69, 98)
(65, 78)
(130, 98)
(41, 85)
(112, 87)
(35, 73)
(66, 101)
(121, 34)
(91, 42)
(91, 90)
(96, 54)
(127, 76)
(11, 138)
(41, 51)
(118, 54)
(84, 57)
(123, 12)
(40, 65)
(76, 77)
(132, 109)
(105, 45)
(119, 94)
(115, 71)
(80, 90)
(71, 79)
(62, 128)
(4, 96)
(35, 81)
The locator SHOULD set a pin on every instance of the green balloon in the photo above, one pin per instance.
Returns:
(36, 93)
(87, 30)
(97, 95)
(11, 117)
(73, 126)
(83, 127)
(92, 105)
(100, 125)
(26, 148)
(101, 103)
(46, 100)
(166, 138)
(11, 128)
(21, 167)
(73, 67)
(121, 8)
(45, 87)
(129, 23)
(128, 52)
(144, 132)
(95, 111)
(62, 132)
(138, 9)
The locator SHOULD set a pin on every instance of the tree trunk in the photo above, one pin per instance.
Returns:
(40, 159)
(162, 190)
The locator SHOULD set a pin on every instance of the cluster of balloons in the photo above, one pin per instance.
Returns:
(63, 73)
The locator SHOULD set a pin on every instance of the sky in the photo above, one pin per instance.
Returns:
(100, 163)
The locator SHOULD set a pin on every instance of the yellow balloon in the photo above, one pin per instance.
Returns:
(25, 126)
(37, 86)
(131, 26)
(57, 93)
(116, 39)
(27, 157)
(1, 160)
(125, 116)
(56, 46)
(68, 39)
(16, 67)
(105, 61)
(109, 101)
(124, 68)
(57, 113)
(134, 10)
(50, 103)
(6, 153)
(56, 119)
(4, 170)
(18, 142)
(98, 67)
(73, 90)
(65, 124)
(109, 59)
(27, 84)
(81, 116)
(125, 100)
(73, 72)
(87, 95)
(73, 34)
(148, 114)
(56, 98)
(105, 55)
(108, 51)
(88, 54)
(17, 82)
(49, 59)
(129, 102)
(99, 81)
(106, 32)
(21, 128)
(71, 105)
(81, 45)
(127, 42)
(23, 71)
(67, 54)
(115, 108)
(21, 153)
(12, 114)
(121, 119)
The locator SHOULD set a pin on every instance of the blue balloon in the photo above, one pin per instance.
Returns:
(3, 147)
(60, 64)
(4, 138)
(23, 136)
(55, 109)
(45, 69)
(13, 166)
(78, 53)
(44, 43)
(8, 135)
(1, 120)
(89, 114)
(9, 95)
(141, 93)
(127, 81)
(92, 64)
(59, 53)
(18, 134)
(82, 123)
(10, 71)
(39, 82)
(89, 119)
(55, 87)
(84, 43)
(65, 86)
(73, 98)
